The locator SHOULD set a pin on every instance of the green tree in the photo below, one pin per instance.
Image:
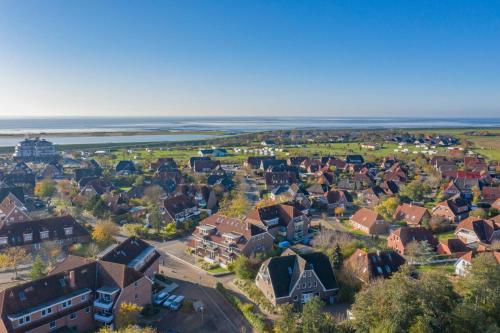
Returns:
(388, 207)
(37, 269)
(170, 230)
(45, 188)
(419, 251)
(337, 258)
(480, 290)
(287, 321)
(155, 217)
(402, 302)
(314, 319)
(12, 257)
(415, 191)
(127, 314)
(246, 268)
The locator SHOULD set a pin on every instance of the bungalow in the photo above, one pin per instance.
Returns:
(474, 231)
(463, 263)
(288, 220)
(368, 266)
(266, 164)
(296, 279)
(216, 152)
(206, 166)
(220, 239)
(454, 209)
(400, 238)
(354, 159)
(179, 209)
(372, 196)
(369, 222)
(412, 214)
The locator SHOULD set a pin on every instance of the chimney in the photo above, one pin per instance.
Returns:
(72, 281)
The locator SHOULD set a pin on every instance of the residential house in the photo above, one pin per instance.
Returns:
(126, 168)
(288, 220)
(400, 238)
(454, 209)
(93, 187)
(268, 163)
(193, 160)
(35, 150)
(80, 294)
(20, 175)
(412, 214)
(179, 209)
(220, 239)
(296, 279)
(490, 194)
(206, 166)
(338, 198)
(52, 170)
(354, 159)
(206, 198)
(63, 230)
(368, 266)
(12, 210)
(475, 231)
(278, 178)
(254, 162)
(296, 160)
(452, 247)
(216, 152)
(369, 222)
(92, 170)
(372, 196)
(463, 264)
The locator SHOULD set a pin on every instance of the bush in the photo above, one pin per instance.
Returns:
(255, 319)
(149, 310)
(254, 294)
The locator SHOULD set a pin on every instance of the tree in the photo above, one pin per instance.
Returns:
(12, 257)
(127, 314)
(104, 231)
(153, 194)
(139, 180)
(337, 258)
(51, 251)
(100, 209)
(170, 230)
(420, 251)
(288, 321)
(314, 320)
(45, 188)
(415, 191)
(155, 217)
(405, 302)
(233, 205)
(93, 250)
(339, 211)
(480, 290)
(387, 208)
(245, 268)
(480, 212)
(37, 269)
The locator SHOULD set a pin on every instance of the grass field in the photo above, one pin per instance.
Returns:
(445, 268)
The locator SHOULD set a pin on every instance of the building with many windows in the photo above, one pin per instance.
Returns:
(35, 150)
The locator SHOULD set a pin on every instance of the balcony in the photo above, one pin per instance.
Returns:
(102, 303)
(106, 318)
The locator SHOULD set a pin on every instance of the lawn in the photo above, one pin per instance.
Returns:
(218, 270)
(443, 268)
(446, 235)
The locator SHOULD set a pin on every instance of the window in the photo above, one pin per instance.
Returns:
(83, 298)
(52, 325)
(46, 311)
(87, 309)
(72, 316)
(27, 319)
(310, 284)
(303, 285)
(295, 298)
(3, 240)
(136, 284)
(68, 231)
(44, 234)
(315, 283)
(136, 296)
(28, 237)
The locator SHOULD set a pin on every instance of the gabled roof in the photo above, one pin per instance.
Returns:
(128, 250)
(411, 234)
(285, 270)
(178, 204)
(483, 229)
(366, 217)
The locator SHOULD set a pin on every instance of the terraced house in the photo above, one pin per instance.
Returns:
(81, 294)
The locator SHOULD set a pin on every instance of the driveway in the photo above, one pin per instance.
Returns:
(218, 315)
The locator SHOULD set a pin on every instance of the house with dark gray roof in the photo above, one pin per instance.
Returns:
(296, 279)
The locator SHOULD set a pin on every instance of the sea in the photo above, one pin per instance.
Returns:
(87, 128)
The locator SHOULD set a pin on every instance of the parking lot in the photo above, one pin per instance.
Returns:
(218, 315)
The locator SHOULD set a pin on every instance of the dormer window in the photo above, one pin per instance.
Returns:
(44, 234)
(68, 231)
(4, 240)
(28, 237)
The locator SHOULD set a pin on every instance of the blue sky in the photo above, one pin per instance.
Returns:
(186, 57)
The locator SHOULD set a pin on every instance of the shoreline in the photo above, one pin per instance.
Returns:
(110, 133)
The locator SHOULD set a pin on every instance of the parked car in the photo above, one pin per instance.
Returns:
(160, 297)
(177, 303)
(169, 301)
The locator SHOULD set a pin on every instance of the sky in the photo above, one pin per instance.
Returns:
(245, 58)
